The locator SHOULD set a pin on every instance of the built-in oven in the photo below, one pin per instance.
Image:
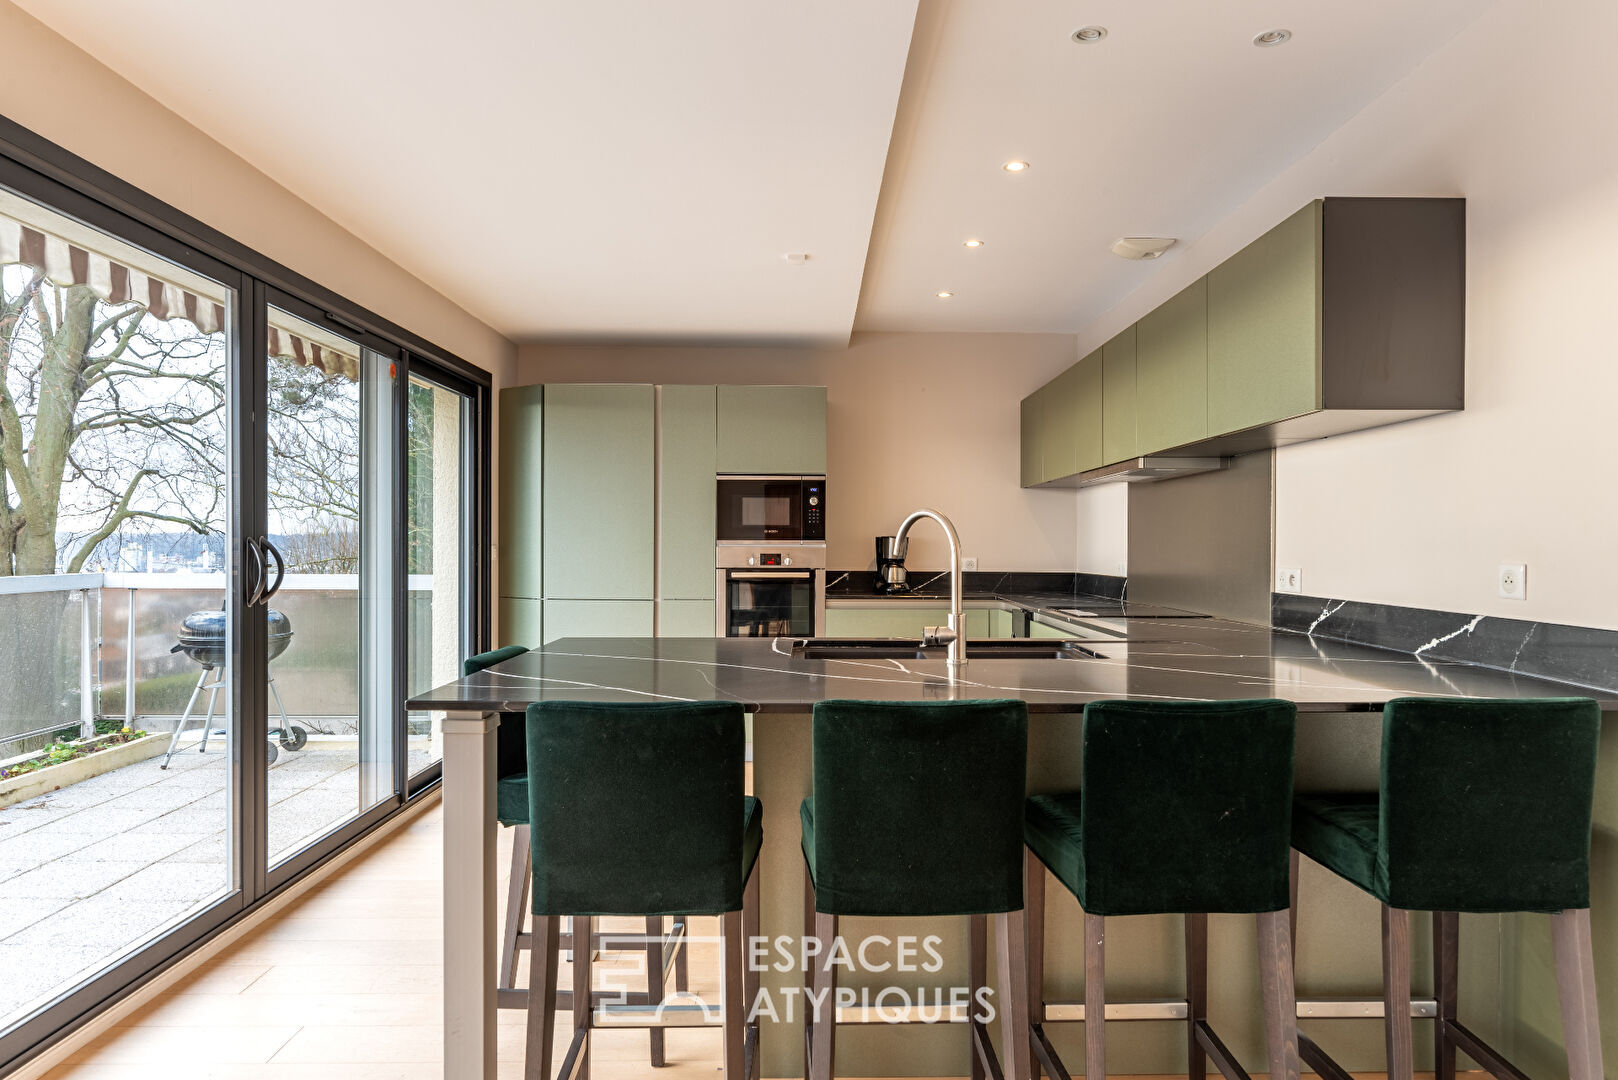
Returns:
(770, 590)
(775, 509)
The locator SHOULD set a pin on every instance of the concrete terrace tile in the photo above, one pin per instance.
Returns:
(70, 880)
(188, 820)
(32, 978)
(166, 882)
(109, 926)
(212, 849)
(125, 847)
(21, 912)
(35, 848)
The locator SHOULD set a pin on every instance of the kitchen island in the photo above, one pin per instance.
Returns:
(1339, 689)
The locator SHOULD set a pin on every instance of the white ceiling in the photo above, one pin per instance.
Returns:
(1162, 128)
(566, 169)
(635, 170)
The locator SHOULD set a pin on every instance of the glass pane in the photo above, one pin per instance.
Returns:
(330, 721)
(114, 461)
(436, 640)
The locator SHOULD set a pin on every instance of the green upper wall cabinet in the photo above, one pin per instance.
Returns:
(1120, 429)
(522, 427)
(1350, 314)
(686, 493)
(598, 492)
(1264, 307)
(1171, 370)
(772, 429)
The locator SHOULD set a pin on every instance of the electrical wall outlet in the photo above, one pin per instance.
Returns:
(1514, 581)
(1288, 579)
(969, 562)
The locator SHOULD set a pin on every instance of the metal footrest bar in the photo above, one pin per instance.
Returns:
(1479, 1051)
(1219, 1053)
(1360, 1009)
(626, 1015)
(904, 1014)
(1318, 1060)
(1067, 1012)
(985, 1051)
(517, 998)
(673, 942)
(1046, 1053)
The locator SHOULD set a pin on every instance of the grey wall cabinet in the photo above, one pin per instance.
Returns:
(772, 429)
(598, 492)
(1349, 315)
(685, 518)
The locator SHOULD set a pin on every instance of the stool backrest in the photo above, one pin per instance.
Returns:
(1486, 804)
(636, 809)
(510, 757)
(1187, 806)
(918, 806)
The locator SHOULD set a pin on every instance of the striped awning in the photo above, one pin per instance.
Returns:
(120, 278)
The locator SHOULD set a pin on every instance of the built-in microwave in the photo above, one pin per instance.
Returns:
(771, 509)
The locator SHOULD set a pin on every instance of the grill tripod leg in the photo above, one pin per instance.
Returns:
(185, 718)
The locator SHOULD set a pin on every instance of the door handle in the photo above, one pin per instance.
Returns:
(782, 575)
(253, 581)
(280, 568)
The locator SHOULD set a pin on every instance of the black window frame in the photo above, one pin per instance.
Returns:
(56, 178)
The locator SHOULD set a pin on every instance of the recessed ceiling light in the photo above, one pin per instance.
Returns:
(1015, 166)
(1089, 35)
(1272, 37)
(945, 294)
(973, 243)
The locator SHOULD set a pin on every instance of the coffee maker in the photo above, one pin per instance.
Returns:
(890, 565)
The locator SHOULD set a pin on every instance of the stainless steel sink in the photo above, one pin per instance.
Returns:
(977, 649)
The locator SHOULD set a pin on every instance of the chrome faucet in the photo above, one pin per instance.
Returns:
(955, 635)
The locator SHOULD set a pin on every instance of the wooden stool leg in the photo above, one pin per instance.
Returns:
(516, 905)
(825, 1008)
(1033, 893)
(1576, 984)
(654, 981)
(1095, 997)
(542, 999)
(682, 980)
(583, 995)
(1292, 908)
(809, 970)
(977, 952)
(1280, 998)
(1196, 991)
(731, 999)
(1446, 988)
(1396, 992)
(750, 974)
(1011, 946)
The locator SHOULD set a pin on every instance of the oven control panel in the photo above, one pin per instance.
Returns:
(814, 509)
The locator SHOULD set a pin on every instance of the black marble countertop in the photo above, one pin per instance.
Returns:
(1159, 659)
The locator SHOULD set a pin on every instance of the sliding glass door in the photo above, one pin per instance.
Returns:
(236, 528)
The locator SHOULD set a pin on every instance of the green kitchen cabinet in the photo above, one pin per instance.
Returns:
(1171, 371)
(522, 426)
(521, 621)
(686, 618)
(1032, 438)
(599, 482)
(898, 620)
(1264, 327)
(685, 518)
(1070, 437)
(597, 618)
(1002, 623)
(1119, 429)
(772, 429)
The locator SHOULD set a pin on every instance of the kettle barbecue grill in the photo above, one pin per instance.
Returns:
(202, 638)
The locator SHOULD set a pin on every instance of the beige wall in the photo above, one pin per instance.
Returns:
(913, 420)
(1423, 514)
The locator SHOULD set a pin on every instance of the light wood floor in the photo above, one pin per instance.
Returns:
(345, 985)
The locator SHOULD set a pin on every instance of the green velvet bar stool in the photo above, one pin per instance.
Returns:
(1484, 806)
(511, 809)
(916, 812)
(1182, 807)
(639, 809)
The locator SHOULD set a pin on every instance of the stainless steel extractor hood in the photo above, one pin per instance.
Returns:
(1143, 469)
